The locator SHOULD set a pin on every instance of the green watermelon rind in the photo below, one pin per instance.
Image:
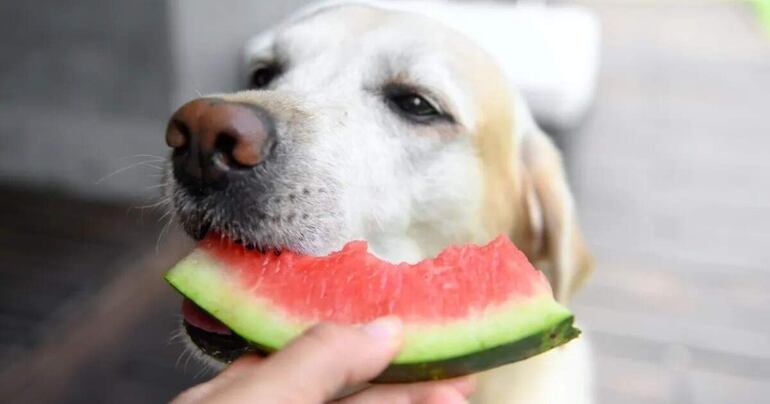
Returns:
(473, 362)
(502, 334)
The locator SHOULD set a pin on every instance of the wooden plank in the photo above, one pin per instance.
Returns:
(97, 330)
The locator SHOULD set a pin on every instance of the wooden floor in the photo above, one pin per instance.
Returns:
(85, 315)
(672, 179)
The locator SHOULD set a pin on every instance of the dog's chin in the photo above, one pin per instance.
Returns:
(197, 354)
(223, 348)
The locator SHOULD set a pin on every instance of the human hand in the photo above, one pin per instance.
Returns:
(319, 364)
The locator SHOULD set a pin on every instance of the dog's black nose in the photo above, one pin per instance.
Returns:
(212, 138)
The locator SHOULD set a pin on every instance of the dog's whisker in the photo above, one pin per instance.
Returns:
(128, 167)
(164, 201)
(202, 371)
(165, 215)
(178, 335)
(148, 164)
(152, 156)
(179, 358)
(188, 354)
(164, 230)
(191, 354)
(156, 186)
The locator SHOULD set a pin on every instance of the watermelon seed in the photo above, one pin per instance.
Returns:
(292, 197)
(305, 191)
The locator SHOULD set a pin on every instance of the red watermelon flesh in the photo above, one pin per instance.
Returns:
(468, 309)
(354, 286)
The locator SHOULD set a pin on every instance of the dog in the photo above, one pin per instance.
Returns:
(365, 122)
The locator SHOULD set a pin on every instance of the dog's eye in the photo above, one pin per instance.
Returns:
(414, 105)
(263, 76)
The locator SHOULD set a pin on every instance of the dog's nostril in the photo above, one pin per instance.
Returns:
(225, 144)
(212, 137)
(177, 134)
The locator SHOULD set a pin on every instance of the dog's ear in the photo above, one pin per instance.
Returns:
(559, 248)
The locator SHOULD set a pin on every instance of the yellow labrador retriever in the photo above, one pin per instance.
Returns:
(363, 122)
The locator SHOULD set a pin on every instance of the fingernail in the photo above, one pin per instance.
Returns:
(384, 328)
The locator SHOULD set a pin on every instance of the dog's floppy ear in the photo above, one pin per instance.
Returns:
(560, 250)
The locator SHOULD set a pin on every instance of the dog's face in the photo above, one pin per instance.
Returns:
(377, 119)
(370, 124)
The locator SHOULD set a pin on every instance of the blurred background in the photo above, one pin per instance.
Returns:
(670, 169)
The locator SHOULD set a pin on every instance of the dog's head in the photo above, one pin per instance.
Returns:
(365, 123)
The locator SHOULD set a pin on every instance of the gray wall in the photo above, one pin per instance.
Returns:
(86, 86)
(207, 36)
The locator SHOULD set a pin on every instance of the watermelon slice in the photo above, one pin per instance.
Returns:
(469, 309)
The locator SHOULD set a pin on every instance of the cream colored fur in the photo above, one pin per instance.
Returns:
(411, 190)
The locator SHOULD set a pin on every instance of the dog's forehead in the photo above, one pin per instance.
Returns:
(339, 24)
(385, 44)
(353, 25)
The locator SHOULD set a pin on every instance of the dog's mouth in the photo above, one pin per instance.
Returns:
(211, 336)
(200, 231)
(275, 233)
(197, 228)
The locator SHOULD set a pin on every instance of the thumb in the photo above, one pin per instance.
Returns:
(328, 357)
